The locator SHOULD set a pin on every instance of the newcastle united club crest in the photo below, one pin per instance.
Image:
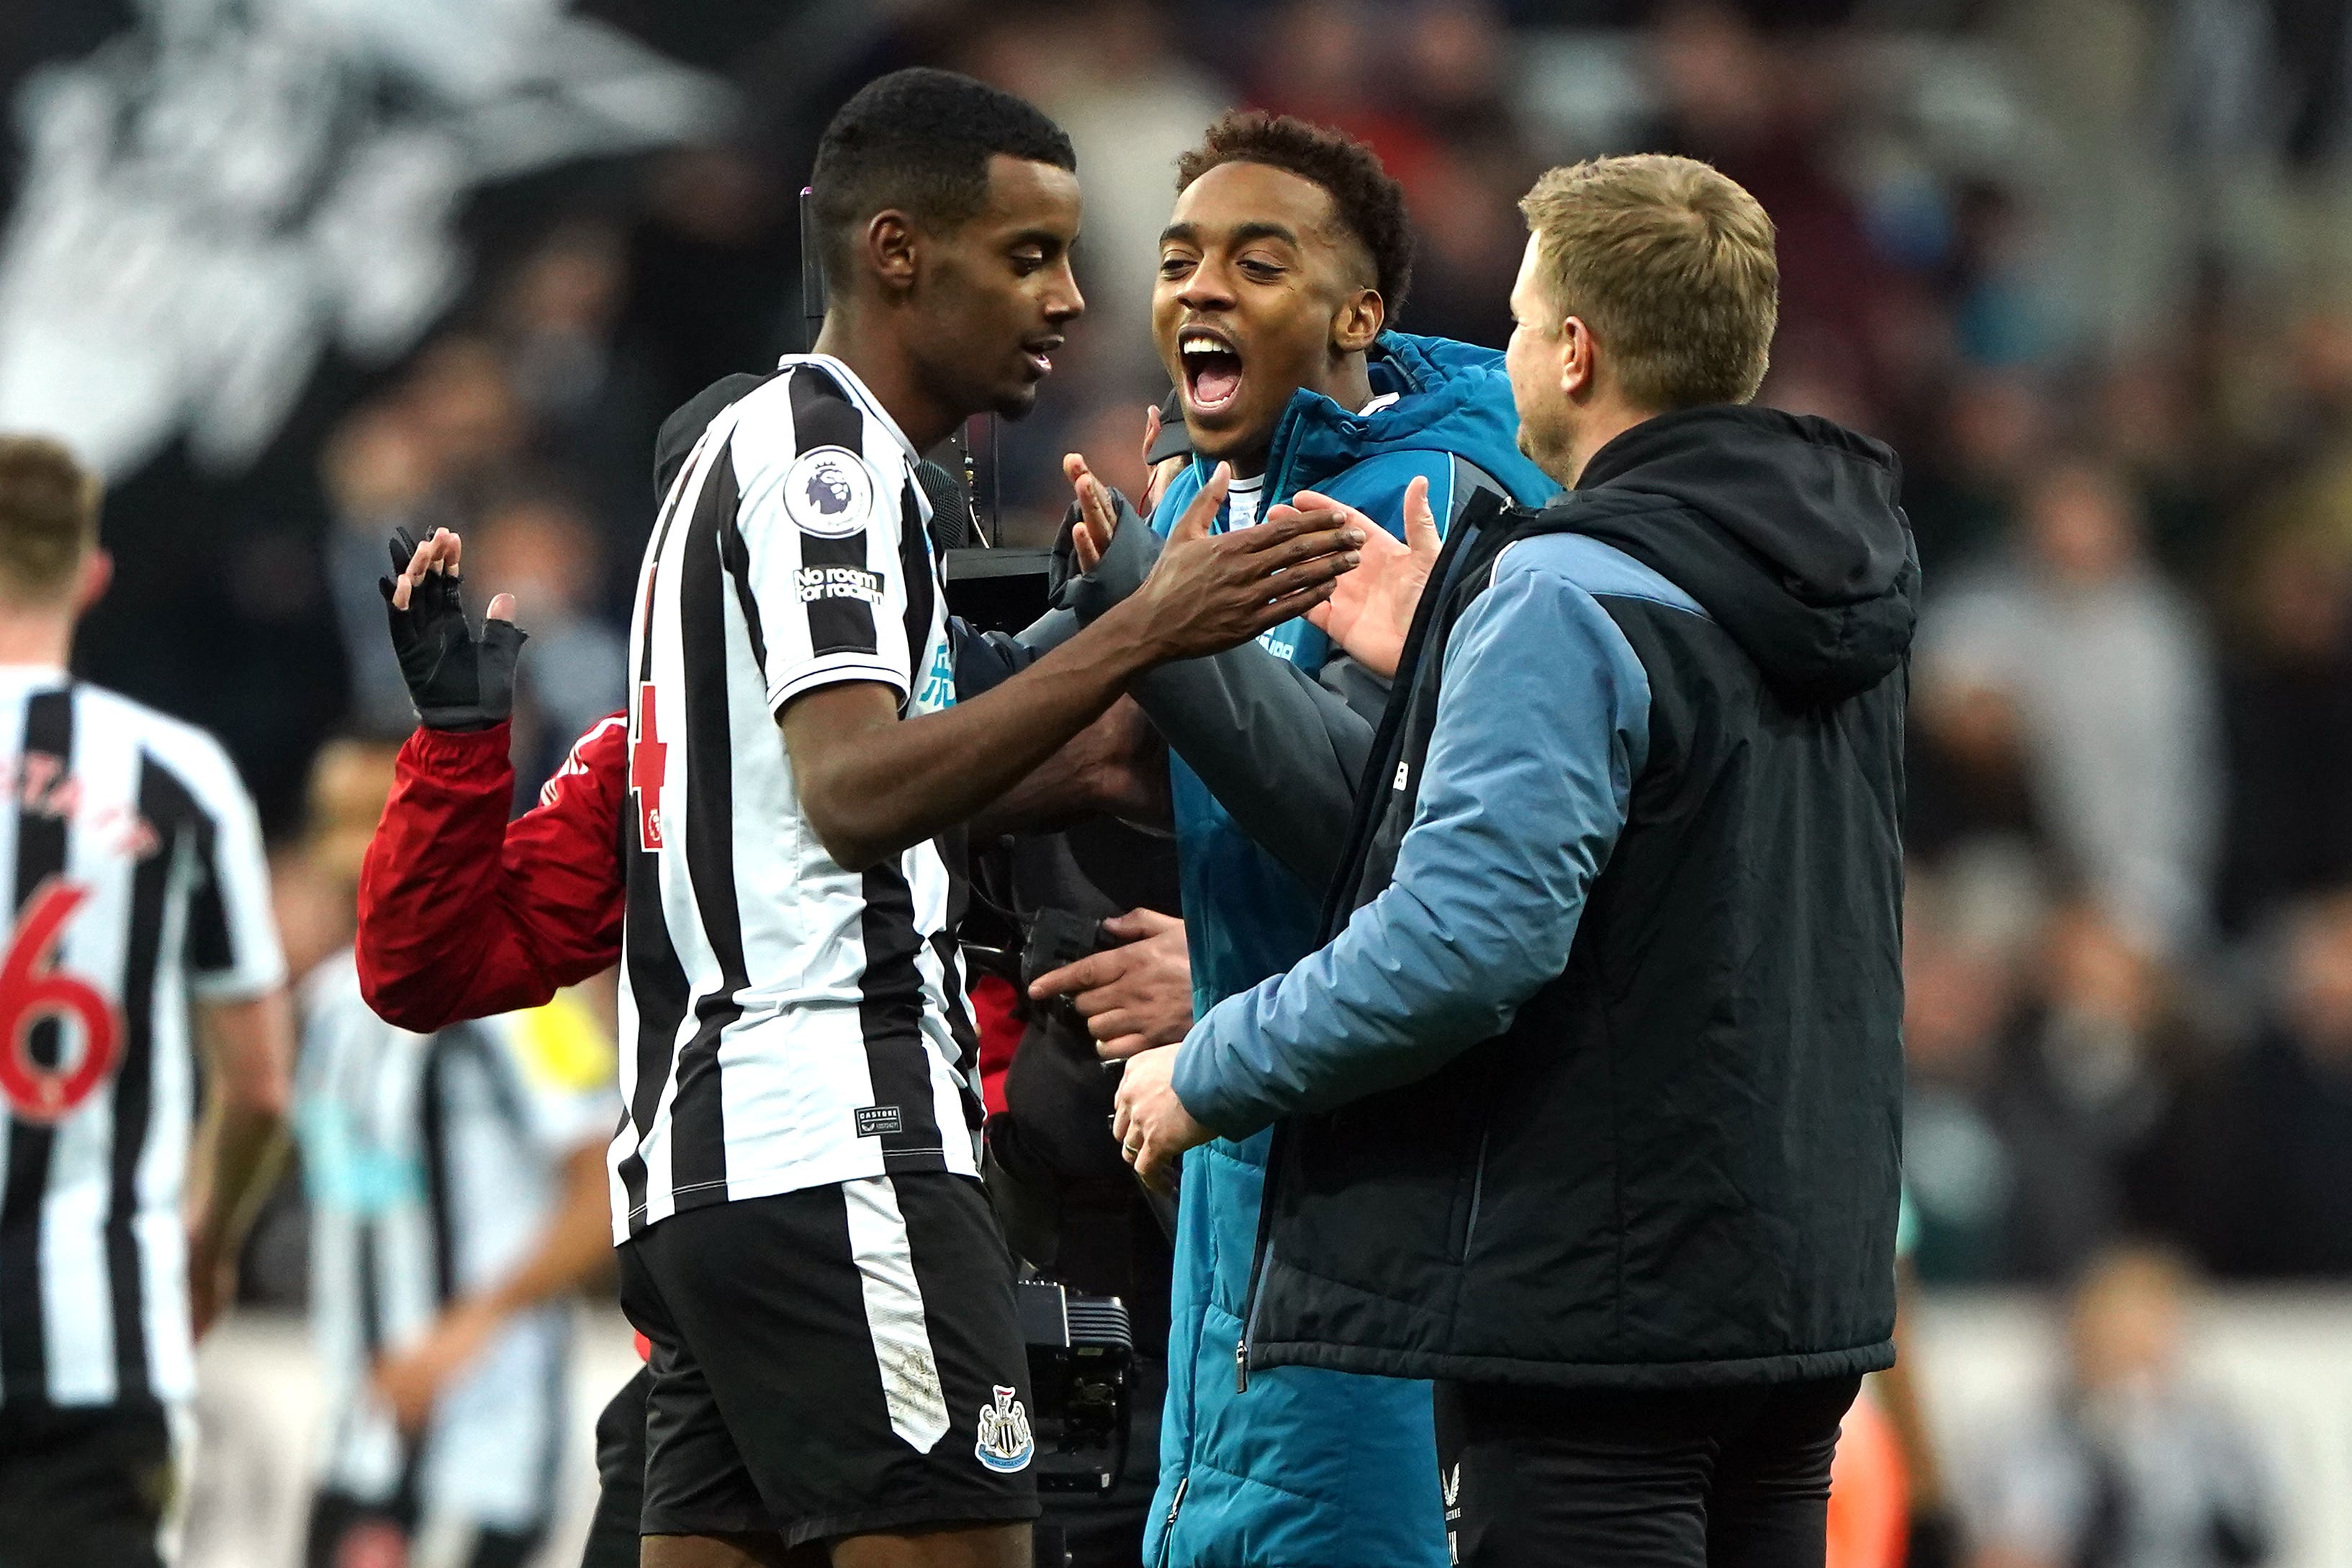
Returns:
(1004, 1440)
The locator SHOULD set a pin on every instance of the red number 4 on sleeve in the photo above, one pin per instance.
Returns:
(31, 991)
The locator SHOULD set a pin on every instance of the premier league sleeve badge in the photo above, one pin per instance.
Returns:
(829, 491)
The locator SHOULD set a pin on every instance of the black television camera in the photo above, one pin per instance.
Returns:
(1097, 1242)
(1081, 1375)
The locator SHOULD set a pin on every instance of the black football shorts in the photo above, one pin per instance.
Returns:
(839, 1361)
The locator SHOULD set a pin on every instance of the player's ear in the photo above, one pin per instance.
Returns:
(90, 585)
(1361, 316)
(1578, 364)
(890, 248)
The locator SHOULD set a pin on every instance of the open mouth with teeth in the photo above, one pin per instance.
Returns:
(1212, 370)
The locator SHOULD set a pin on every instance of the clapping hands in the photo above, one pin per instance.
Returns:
(1371, 610)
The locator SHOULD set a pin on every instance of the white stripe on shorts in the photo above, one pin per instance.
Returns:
(894, 1312)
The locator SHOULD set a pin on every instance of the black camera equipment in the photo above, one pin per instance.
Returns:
(995, 589)
(1081, 1373)
(998, 590)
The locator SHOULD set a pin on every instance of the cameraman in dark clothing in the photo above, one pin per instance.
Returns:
(1589, 1106)
(1047, 905)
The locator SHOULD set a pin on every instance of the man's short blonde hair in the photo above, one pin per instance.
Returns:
(49, 517)
(1671, 264)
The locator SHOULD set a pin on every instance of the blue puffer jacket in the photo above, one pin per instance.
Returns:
(1303, 1468)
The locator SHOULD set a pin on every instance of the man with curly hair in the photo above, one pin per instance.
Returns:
(1286, 256)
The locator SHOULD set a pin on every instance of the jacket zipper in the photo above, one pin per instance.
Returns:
(1168, 1525)
(1257, 1263)
(1278, 471)
(1477, 1192)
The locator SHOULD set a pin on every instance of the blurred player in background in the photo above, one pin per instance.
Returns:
(141, 932)
(2130, 1462)
(456, 1184)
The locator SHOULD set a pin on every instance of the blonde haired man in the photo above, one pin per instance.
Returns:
(139, 925)
(1589, 1106)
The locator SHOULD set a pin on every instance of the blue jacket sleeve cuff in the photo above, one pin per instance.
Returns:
(1207, 1067)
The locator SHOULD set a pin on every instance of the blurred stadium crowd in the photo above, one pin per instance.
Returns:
(2087, 264)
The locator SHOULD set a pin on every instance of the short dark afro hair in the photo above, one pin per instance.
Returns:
(1370, 205)
(920, 139)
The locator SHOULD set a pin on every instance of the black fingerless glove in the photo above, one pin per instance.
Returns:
(457, 681)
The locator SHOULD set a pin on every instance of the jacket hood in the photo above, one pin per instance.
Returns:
(1451, 397)
(1784, 527)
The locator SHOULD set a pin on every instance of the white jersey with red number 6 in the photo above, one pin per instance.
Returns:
(132, 869)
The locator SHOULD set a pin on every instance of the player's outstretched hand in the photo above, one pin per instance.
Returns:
(1098, 519)
(1210, 592)
(458, 680)
(1370, 609)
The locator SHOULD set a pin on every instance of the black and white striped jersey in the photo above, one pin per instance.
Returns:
(136, 882)
(786, 1023)
(433, 1164)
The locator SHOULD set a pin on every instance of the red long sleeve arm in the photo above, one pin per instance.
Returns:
(464, 914)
